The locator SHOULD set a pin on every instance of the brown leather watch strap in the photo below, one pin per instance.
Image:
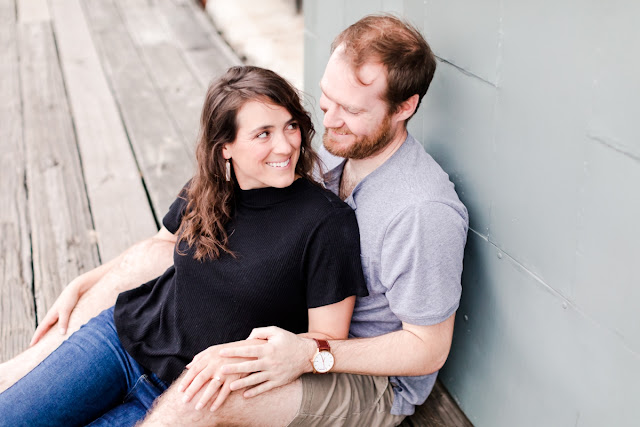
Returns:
(323, 345)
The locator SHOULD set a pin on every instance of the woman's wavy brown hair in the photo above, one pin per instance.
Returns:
(210, 197)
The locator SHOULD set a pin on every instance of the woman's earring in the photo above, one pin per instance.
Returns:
(227, 170)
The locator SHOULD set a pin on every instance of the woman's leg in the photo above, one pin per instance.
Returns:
(86, 376)
(125, 415)
(137, 403)
(102, 296)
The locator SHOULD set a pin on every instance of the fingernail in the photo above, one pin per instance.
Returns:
(213, 408)
(185, 399)
(63, 331)
(199, 406)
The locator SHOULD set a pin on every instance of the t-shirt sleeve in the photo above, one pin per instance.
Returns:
(173, 218)
(421, 262)
(332, 260)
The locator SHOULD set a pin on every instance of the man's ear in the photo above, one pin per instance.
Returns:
(407, 108)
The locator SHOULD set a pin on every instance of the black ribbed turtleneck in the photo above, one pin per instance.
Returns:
(296, 248)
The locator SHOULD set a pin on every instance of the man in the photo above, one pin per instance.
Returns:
(413, 231)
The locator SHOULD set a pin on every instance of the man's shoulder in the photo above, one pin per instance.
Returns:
(412, 178)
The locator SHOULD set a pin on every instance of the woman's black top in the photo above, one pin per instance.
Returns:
(296, 248)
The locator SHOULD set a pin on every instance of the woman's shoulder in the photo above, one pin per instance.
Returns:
(321, 198)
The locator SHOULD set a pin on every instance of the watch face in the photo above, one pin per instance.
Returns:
(323, 361)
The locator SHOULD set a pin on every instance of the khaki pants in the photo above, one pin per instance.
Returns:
(346, 400)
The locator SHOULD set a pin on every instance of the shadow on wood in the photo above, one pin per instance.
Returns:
(440, 410)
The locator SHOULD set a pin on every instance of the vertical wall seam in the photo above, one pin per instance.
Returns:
(494, 133)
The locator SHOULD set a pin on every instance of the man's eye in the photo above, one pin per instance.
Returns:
(263, 135)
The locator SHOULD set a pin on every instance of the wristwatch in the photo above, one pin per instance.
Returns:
(323, 360)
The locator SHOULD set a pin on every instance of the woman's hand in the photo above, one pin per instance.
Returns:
(204, 372)
(59, 312)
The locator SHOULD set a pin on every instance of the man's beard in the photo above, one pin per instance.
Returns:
(362, 147)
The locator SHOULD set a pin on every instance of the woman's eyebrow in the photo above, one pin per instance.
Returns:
(263, 127)
(267, 127)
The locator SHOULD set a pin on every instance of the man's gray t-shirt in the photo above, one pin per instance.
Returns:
(413, 230)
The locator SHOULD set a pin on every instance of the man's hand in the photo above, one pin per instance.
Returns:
(283, 359)
(59, 312)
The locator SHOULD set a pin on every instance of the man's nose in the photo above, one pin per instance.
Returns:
(332, 118)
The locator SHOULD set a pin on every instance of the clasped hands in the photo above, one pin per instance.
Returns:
(269, 358)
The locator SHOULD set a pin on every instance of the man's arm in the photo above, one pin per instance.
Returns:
(87, 296)
(414, 350)
(138, 264)
(424, 241)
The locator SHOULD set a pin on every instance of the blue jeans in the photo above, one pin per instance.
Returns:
(89, 379)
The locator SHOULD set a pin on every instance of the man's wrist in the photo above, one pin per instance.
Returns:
(310, 348)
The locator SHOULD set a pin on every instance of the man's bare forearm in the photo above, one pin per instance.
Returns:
(100, 288)
(414, 350)
(140, 263)
(398, 353)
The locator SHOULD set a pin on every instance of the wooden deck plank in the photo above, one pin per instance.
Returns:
(182, 93)
(61, 227)
(205, 52)
(17, 310)
(119, 204)
(159, 150)
(33, 11)
(440, 410)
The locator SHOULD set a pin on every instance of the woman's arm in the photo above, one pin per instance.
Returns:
(330, 322)
(132, 263)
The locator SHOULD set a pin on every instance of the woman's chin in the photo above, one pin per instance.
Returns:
(284, 182)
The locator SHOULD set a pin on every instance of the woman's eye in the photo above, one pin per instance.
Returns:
(292, 126)
(263, 135)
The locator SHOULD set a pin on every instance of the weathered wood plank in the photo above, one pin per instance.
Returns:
(205, 52)
(161, 155)
(33, 11)
(17, 310)
(119, 205)
(440, 410)
(62, 231)
(182, 93)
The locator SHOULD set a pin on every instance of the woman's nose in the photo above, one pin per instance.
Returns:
(282, 145)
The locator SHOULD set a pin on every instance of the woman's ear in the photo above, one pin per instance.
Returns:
(226, 151)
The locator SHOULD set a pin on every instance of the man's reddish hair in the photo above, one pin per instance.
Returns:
(399, 47)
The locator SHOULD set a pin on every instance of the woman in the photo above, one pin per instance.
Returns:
(258, 243)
